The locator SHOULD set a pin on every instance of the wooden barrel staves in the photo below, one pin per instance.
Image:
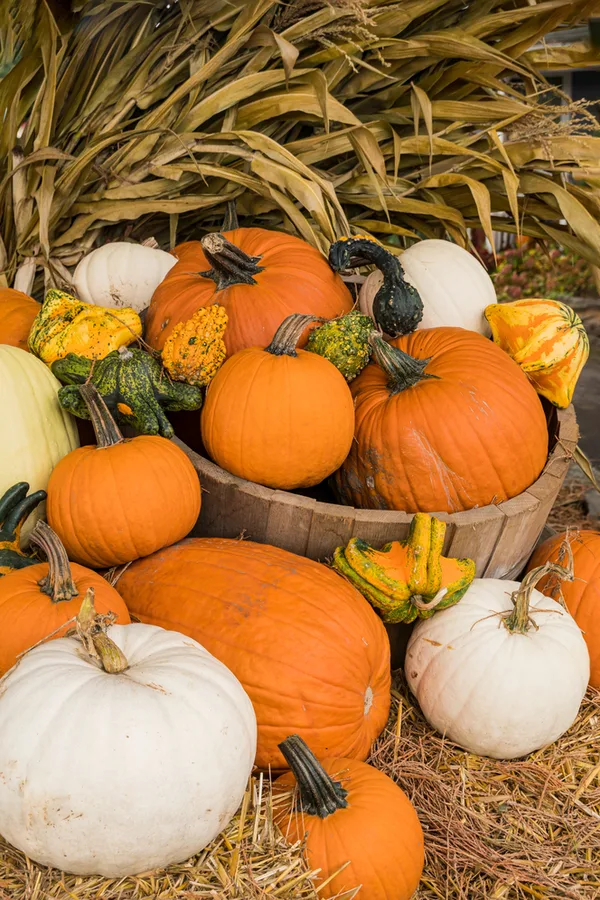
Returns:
(499, 538)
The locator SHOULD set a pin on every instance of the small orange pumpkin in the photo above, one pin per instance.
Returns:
(281, 417)
(259, 276)
(352, 816)
(17, 312)
(41, 600)
(582, 595)
(121, 499)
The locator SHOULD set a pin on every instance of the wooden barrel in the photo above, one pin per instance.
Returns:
(499, 538)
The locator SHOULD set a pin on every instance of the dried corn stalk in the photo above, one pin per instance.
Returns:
(316, 116)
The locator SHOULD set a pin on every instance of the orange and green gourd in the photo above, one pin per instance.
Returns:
(410, 579)
(195, 349)
(66, 325)
(15, 506)
(548, 341)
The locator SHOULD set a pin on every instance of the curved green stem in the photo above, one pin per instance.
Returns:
(404, 371)
(90, 631)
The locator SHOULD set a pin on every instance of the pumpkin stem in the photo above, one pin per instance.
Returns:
(90, 628)
(229, 264)
(105, 428)
(397, 305)
(58, 583)
(320, 795)
(518, 619)
(288, 334)
(404, 371)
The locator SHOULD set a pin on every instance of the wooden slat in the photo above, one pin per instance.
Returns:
(524, 520)
(475, 535)
(380, 526)
(331, 527)
(289, 521)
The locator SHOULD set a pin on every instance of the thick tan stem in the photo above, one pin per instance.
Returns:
(105, 428)
(288, 334)
(98, 645)
(58, 583)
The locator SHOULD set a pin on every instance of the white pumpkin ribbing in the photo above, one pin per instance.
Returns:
(454, 287)
(118, 774)
(121, 274)
(36, 431)
(494, 692)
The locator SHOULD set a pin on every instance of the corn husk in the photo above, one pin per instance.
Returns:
(322, 117)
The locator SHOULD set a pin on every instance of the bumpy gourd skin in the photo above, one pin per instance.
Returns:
(344, 342)
(66, 325)
(195, 349)
(134, 386)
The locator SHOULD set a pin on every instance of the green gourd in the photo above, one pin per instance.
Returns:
(15, 506)
(344, 342)
(397, 305)
(134, 386)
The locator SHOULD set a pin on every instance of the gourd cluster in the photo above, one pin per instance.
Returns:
(178, 663)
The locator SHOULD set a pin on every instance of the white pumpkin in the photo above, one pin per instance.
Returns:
(122, 274)
(116, 774)
(36, 431)
(494, 691)
(454, 287)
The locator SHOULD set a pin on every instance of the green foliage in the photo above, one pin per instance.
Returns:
(535, 272)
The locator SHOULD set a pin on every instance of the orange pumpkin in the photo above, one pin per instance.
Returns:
(121, 499)
(280, 417)
(582, 595)
(259, 276)
(352, 816)
(445, 421)
(41, 600)
(307, 647)
(17, 312)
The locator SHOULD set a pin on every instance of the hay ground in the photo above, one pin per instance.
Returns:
(493, 830)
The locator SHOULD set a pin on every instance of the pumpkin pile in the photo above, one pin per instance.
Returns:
(128, 634)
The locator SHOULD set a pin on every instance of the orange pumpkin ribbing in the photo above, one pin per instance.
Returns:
(293, 278)
(308, 649)
(582, 595)
(473, 434)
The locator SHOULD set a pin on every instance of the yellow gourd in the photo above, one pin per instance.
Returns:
(195, 349)
(66, 325)
(547, 339)
(407, 579)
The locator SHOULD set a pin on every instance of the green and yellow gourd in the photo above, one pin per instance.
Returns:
(134, 386)
(15, 506)
(66, 325)
(410, 579)
(344, 342)
(195, 349)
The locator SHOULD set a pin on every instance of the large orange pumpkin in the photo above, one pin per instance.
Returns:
(354, 819)
(17, 312)
(582, 595)
(307, 647)
(259, 276)
(445, 421)
(280, 417)
(40, 601)
(121, 499)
